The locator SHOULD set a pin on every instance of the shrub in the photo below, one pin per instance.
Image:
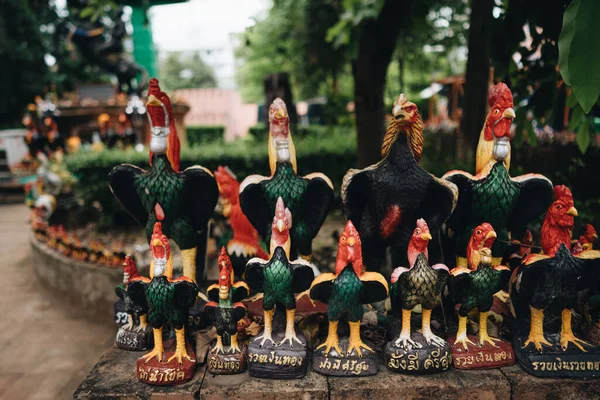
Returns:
(199, 134)
(331, 151)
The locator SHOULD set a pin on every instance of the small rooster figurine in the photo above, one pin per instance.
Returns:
(552, 279)
(309, 198)
(345, 291)
(278, 278)
(475, 286)
(385, 200)
(586, 241)
(245, 243)
(225, 308)
(182, 201)
(168, 299)
(492, 195)
(420, 284)
(128, 336)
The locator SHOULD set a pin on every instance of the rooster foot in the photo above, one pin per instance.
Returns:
(464, 340)
(566, 338)
(406, 343)
(142, 326)
(537, 341)
(180, 354)
(156, 352)
(356, 346)
(128, 326)
(291, 337)
(483, 339)
(329, 344)
(218, 348)
(433, 339)
(502, 296)
(265, 336)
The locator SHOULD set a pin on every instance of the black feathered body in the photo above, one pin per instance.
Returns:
(477, 288)
(397, 180)
(134, 308)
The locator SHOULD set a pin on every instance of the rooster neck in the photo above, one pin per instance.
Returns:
(413, 253)
(484, 159)
(161, 162)
(285, 246)
(400, 154)
(553, 236)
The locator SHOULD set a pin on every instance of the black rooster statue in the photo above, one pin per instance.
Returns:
(385, 200)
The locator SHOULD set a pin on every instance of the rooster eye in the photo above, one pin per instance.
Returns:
(418, 231)
(558, 206)
(343, 239)
(496, 111)
(478, 231)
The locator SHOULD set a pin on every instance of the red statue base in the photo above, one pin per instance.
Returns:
(481, 357)
(163, 373)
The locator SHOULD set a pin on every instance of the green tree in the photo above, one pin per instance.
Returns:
(186, 72)
(24, 72)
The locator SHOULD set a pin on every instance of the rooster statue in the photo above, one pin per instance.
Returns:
(518, 251)
(385, 200)
(135, 311)
(225, 308)
(492, 195)
(475, 286)
(552, 280)
(278, 278)
(421, 284)
(182, 201)
(245, 243)
(168, 299)
(309, 198)
(586, 241)
(345, 291)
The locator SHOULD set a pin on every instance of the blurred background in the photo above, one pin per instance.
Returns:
(74, 75)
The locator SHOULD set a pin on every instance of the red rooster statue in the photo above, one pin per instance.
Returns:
(245, 243)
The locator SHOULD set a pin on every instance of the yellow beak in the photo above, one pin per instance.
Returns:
(153, 101)
(351, 242)
(156, 242)
(280, 113)
(595, 236)
(509, 113)
(572, 211)
(280, 225)
(426, 236)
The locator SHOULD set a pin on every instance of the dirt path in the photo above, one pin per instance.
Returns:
(47, 347)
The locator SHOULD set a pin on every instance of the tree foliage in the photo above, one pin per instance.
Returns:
(178, 71)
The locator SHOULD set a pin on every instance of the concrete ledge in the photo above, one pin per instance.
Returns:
(114, 378)
(86, 285)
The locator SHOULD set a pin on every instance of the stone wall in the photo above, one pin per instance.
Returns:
(85, 285)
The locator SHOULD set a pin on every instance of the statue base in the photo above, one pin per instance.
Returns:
(334, 364)
(429, 359)
(133, 340)
(553, 362)
(163, 373)
(481, 357)
(228, 363)
(277, 362)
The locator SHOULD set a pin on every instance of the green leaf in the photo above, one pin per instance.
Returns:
(579, 59)
(571, 101)
(583, 137)
(576, 115)
(86, 12)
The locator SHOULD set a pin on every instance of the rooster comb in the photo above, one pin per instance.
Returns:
(561, 192)
(153, 88)
(422, 224)
(500, 93)
(157, 229)
(223, 257)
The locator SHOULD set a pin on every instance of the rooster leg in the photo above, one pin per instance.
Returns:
(566, 333)
(290, 331)
(483, 331)
(218, 346)
(189, 263)
(158, 346)
(461, 334)
(180, 351)
(234, 347)
(536, 330)
(129, 325)
(404, 341)
(268, 328)
(332, 340)
(426, 330)
(143, 323)
(355, 343)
